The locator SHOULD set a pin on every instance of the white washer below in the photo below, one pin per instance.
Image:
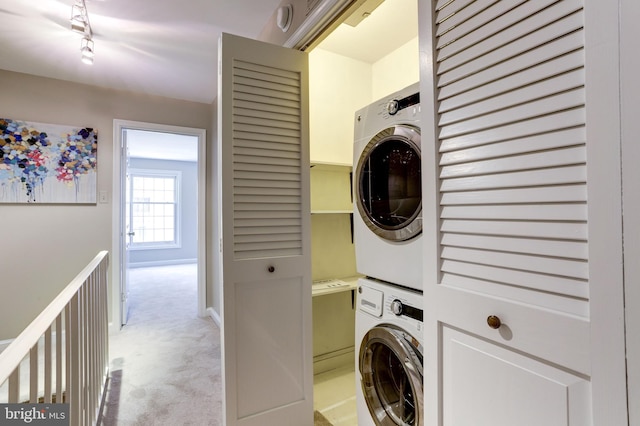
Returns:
(389, 354)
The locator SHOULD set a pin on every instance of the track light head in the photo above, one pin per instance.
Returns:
(79, 18)
(86, 50)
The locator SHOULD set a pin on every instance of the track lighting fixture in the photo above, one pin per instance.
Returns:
(86, 49)
(80, 24)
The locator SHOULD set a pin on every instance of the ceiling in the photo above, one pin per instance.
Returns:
(166, 47)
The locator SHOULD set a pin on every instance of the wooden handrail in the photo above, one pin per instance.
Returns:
(11, 357)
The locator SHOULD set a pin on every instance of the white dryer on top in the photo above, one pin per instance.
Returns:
(388, 190)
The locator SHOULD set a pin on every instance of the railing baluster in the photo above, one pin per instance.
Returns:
(68, 332)
(84, 351)
(14, 385)
(47, 365)
(33, 374)
(59, 340)
(92, 346)
(73, 386)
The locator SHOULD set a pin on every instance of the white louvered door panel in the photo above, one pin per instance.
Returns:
(263, 171)
(507, 183)
(266, 162)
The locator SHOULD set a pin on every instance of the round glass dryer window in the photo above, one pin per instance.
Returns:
(389, 186)
(391, 371)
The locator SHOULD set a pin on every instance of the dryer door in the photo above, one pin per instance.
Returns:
(390, 363)
(388, 183)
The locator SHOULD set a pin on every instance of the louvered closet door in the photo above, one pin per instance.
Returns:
(507, 177)
(263, 170)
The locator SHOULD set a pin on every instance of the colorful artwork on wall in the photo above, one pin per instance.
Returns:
(47, 163)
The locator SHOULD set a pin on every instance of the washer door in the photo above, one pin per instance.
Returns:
(390, 363)
(388, 189)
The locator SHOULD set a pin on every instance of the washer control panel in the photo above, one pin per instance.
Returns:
(400, 308)
(396, 307)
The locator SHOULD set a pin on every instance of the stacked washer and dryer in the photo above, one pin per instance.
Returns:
(388, 246)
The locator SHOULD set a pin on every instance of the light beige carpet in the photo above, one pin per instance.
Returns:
(165, 364)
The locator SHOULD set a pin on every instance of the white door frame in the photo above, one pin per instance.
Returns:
(119, 174)
(630, 102)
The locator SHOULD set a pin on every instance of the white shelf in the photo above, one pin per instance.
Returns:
(331, 211)
(330, 286)
(319, 165)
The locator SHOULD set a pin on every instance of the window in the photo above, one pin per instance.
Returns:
(153, 198)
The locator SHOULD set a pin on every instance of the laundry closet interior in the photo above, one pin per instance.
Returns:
(351, 68)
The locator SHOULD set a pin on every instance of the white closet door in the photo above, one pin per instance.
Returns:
(507, 194)
(263, 170)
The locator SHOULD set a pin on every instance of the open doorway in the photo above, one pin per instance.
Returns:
(352, 67)
(159, 204)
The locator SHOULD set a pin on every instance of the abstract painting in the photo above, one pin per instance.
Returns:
(47, 163)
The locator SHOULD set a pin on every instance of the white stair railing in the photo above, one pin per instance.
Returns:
(63, 355)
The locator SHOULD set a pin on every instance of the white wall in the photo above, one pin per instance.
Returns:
(44, 247)
(397, 70)
(338, 87)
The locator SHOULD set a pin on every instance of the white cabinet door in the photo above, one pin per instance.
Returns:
(263, 173)
(521, 217)
(486, 384)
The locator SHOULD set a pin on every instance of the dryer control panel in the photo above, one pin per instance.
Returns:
(395, 105)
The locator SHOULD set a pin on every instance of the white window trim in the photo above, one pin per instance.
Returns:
(177, 174)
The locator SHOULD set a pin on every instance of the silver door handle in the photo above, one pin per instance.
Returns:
(131, 234)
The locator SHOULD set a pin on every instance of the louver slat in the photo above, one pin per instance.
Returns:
(540, 264)
(546, 212)
(475, 59)
(459, 80)
(266, 162)
(450, 98)
(498, 24)
(548, 105)
(500, 276)
(533, 143)
(512, 150)
(560, 248)
(545, 159)
(534, 230)
(453, 13)
(553, 194)
(536, 126)
(511, 99)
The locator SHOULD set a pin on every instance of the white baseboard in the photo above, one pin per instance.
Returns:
(214, 315)
(333, 360)
(114, 327)
(161, 263)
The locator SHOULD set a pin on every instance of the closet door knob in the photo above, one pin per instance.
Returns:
(494, 322)
(271, 269)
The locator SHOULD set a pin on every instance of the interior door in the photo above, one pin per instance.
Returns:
(515, 264)
(263, 173)
(126, 232)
